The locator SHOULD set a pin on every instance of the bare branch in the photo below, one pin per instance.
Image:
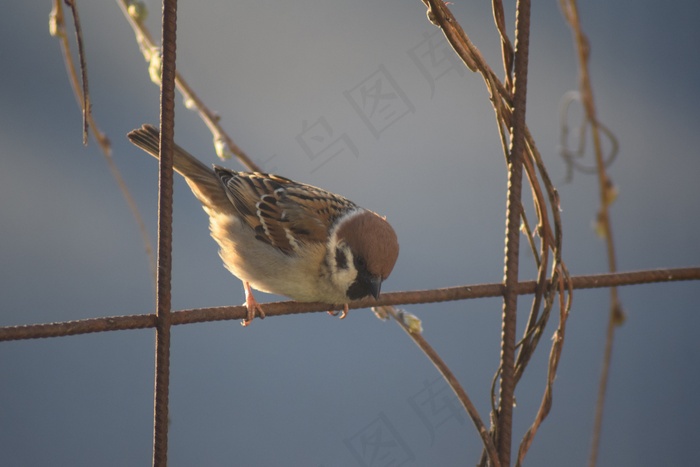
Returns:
(606, 194)
(223, 143)
(459, 391)
(57, 28)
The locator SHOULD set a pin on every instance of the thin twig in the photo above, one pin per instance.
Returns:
(572, 156)
(604, 224)
(57, 28)
(86, 106)
(223, 143)
(442, 367)
(465, 292)
(551, 235)
(506, 47)
(442, 17)
(554, 358)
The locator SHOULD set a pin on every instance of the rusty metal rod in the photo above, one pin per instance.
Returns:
(165, 237)
(463, 292)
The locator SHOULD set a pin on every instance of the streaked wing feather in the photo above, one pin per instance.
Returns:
(282, 212)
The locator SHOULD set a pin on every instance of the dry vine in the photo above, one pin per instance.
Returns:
(549, 231)
(607, 196)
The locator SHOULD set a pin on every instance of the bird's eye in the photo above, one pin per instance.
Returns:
(341, 261)
(360, 263)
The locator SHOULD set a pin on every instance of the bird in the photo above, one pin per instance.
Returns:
(284, 237)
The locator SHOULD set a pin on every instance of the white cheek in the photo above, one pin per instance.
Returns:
(342, 277)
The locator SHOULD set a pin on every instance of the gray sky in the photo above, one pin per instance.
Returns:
(312, 390)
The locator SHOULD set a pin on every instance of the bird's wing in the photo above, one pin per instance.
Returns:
(283, 213)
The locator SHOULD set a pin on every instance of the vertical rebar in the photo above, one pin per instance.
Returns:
(512, 248)
(165, 221)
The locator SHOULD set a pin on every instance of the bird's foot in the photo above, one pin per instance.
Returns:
(252, 306)
(342, 314)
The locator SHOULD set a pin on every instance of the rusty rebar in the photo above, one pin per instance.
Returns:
(165, 223)
(413, 297)
(513, 214)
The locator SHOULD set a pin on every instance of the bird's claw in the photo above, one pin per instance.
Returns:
(253, 307)
(342, 314)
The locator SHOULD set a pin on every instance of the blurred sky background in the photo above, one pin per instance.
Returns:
(312, 390)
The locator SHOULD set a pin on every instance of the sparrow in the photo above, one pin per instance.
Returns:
(284, 237)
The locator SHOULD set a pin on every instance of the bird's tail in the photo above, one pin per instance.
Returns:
(148, 138)
(205, 184)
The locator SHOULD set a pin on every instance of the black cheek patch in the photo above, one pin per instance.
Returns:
(341, 261)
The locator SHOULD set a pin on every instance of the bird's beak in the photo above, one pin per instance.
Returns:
(375, 286)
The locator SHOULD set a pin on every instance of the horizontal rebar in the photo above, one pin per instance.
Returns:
(465, 292)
